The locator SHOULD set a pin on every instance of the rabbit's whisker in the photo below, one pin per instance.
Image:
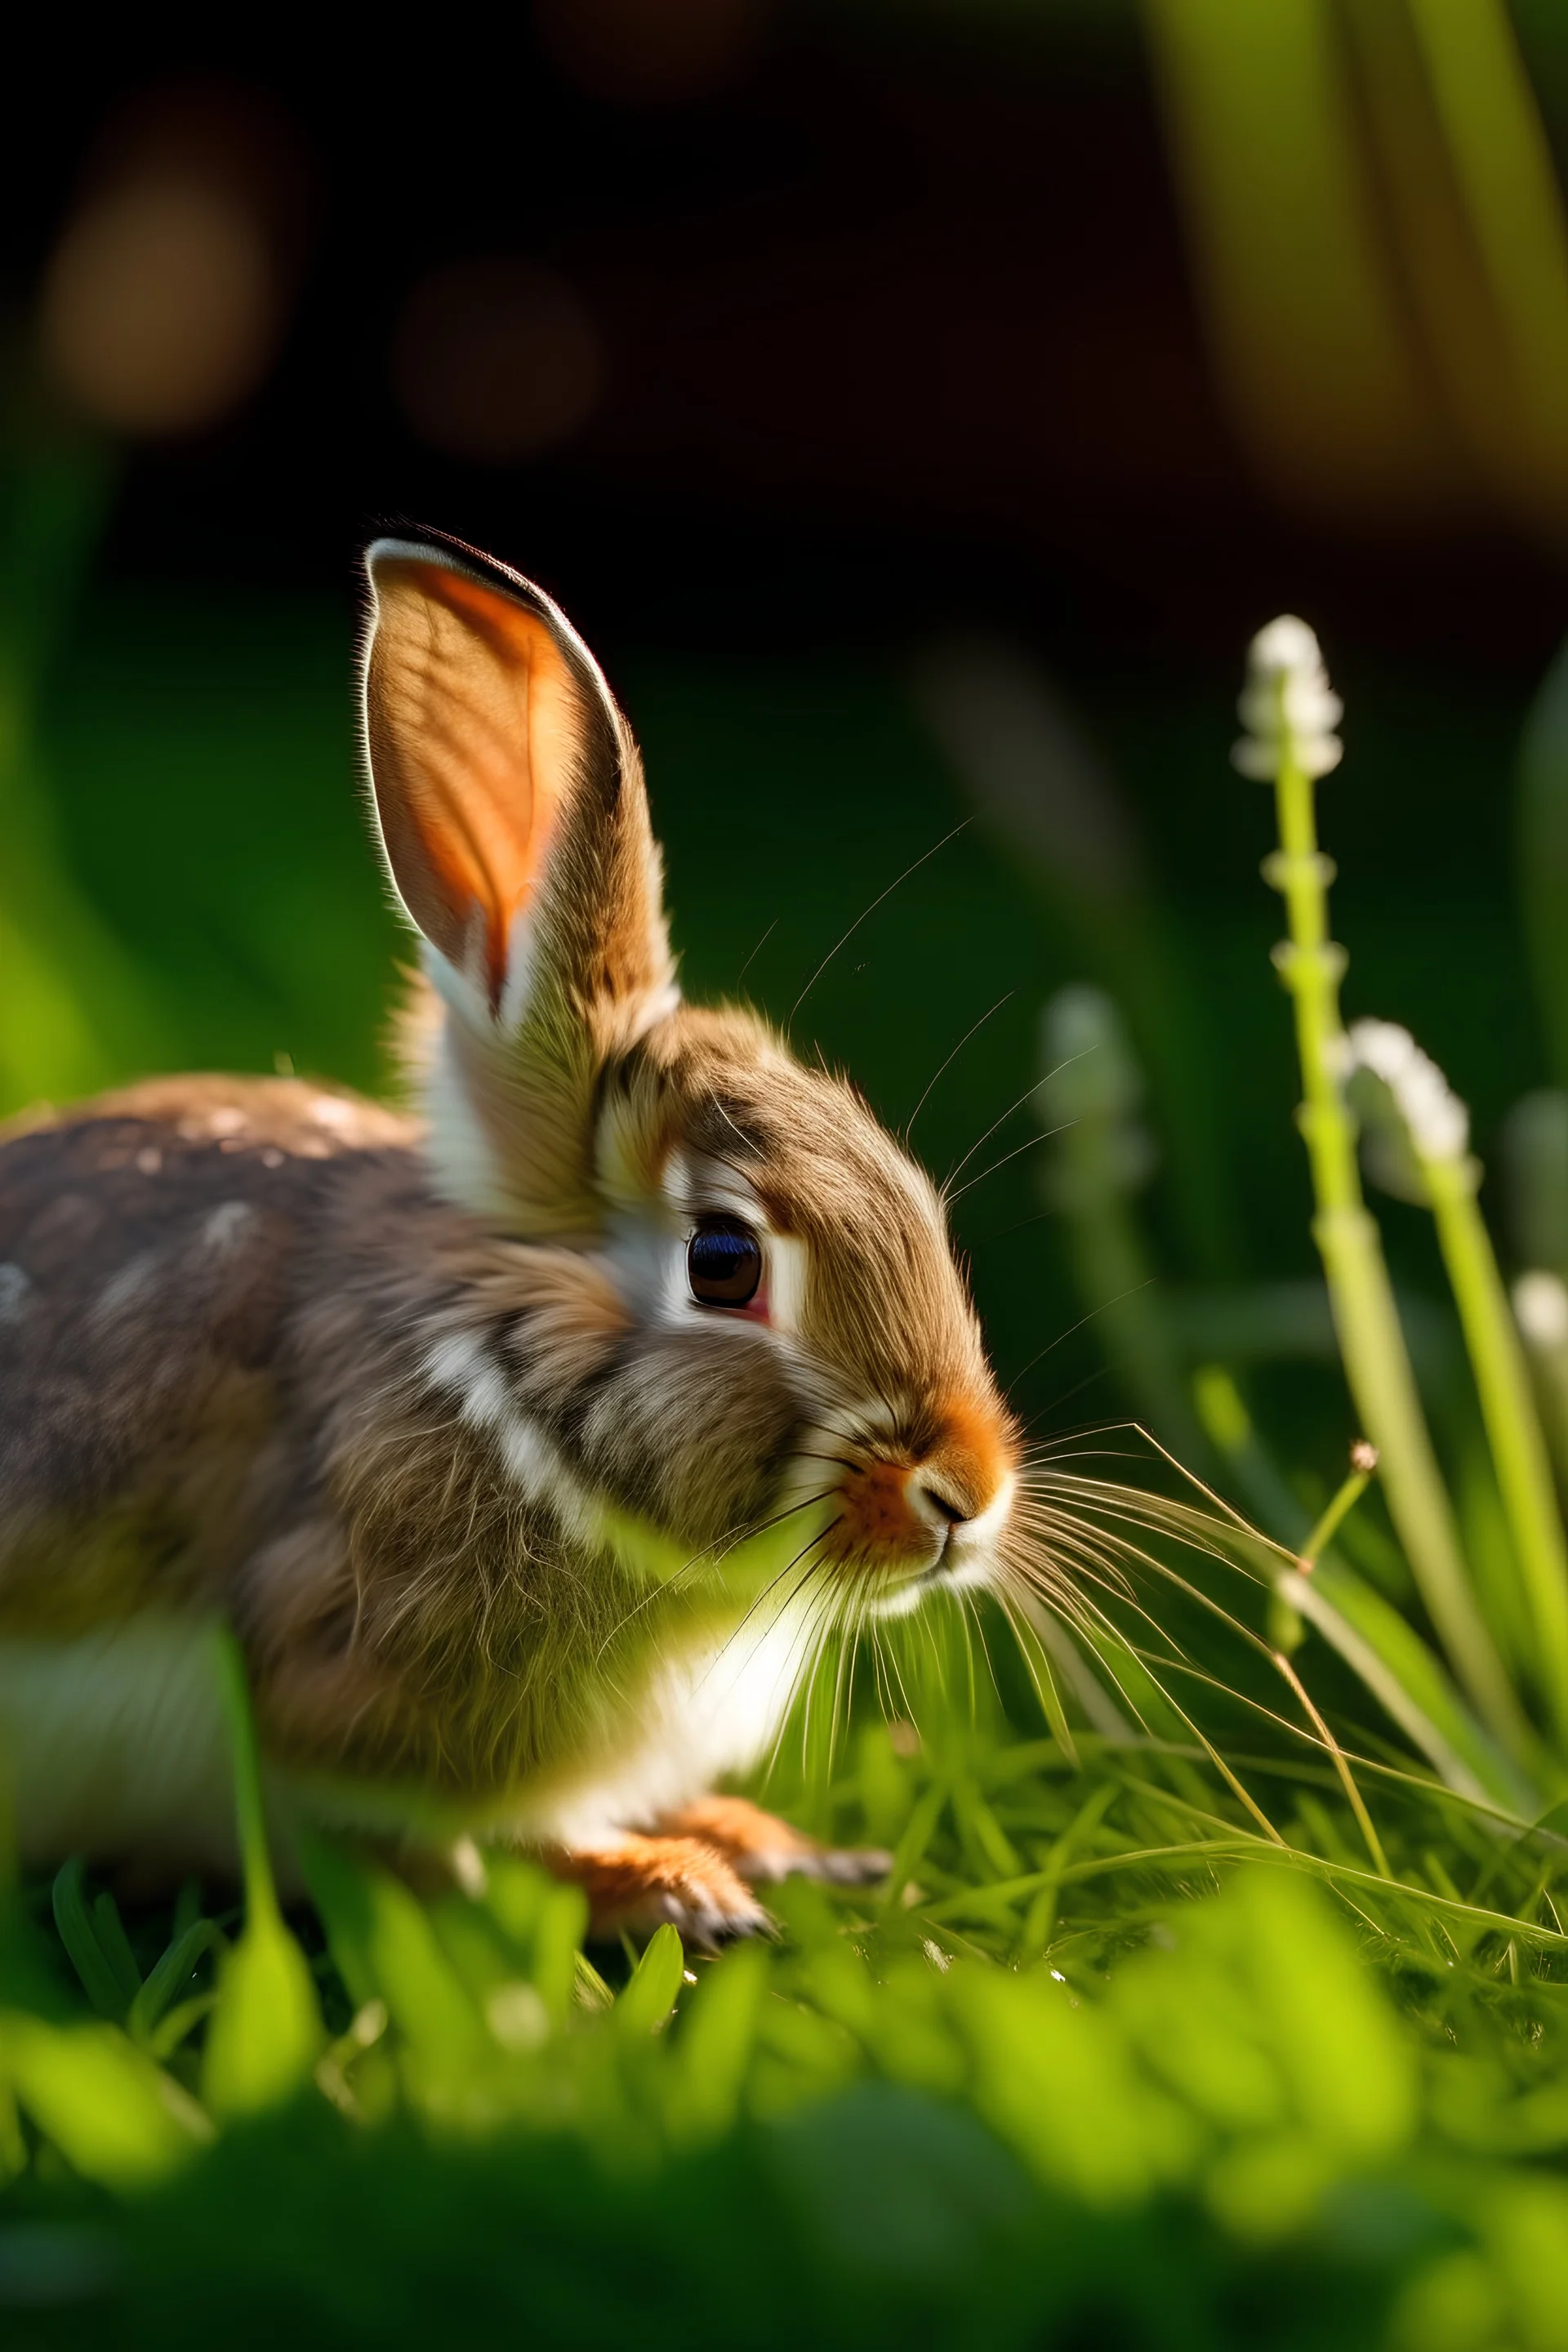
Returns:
(1102, 1308)
(756, 951)
(1029, 1094)
(942, 1067)
(1033, 1143)
(714, 1554)
(768, 1590)
(870, 910)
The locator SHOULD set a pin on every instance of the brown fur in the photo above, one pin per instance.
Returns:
(641, 1882)
(759, 1847)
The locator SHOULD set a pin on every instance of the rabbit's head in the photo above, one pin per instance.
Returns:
(745, 1300)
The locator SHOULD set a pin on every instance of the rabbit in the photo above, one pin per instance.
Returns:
(524, 1443)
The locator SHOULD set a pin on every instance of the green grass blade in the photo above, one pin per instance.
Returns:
(170, 1974)
(1407, 1681)
(712, 2049)
(110, 2111)
(266, 2032)
(654, 1985)
(245, 1758)
(178, 2023)
(115, 1944)
(1042, 1676)
(545, 1920)
(911, 1850)
(1512, 1426)
(386, 1949)
(102, 1981)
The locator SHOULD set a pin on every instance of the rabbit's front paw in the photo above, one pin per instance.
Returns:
(761, 1847)
(641, 1882)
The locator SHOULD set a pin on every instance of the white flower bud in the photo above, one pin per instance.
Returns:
(1436, 1119)
(1287, 705)
(1541, 1309)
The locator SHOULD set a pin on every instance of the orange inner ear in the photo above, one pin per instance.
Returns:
(473, 719)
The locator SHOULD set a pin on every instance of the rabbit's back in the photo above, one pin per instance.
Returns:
(152, 1248)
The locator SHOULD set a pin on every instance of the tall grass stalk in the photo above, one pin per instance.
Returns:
(1289, 711)
(1507, 1407)
(1089, 1101)
(1540, 1314)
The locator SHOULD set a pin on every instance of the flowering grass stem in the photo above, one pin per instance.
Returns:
(1288, 709)
(1513, 1426)
(1364, 1461)
(1375, 1640)
(1285, 1626)
(1541, 1312)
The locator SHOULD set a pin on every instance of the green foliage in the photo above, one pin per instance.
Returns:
(866, 2127)
(1058, 2083)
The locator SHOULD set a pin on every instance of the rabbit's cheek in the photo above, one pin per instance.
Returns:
(687, 1432)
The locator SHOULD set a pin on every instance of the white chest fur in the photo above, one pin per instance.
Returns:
(699, 1714)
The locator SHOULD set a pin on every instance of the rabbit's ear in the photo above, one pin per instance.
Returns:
(515, 822)
(506, 781)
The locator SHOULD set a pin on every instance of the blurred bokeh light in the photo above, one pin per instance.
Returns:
(158, 308)
(163, 300)
(632, 54)
(496, 360)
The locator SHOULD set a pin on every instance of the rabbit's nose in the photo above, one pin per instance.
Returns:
(939, 1507)
(967, 1475)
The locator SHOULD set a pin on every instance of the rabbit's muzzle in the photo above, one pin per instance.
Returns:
(913, 1515)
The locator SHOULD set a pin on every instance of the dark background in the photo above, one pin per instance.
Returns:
(801, 352)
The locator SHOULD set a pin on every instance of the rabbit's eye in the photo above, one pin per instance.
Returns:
(724, 1263)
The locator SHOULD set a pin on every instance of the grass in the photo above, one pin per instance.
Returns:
(1049, 2086)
